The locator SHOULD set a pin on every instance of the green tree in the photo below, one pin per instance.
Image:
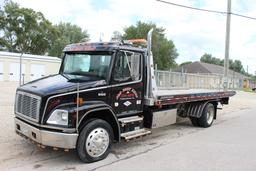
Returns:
(117, 36)
(67, 34)
(208, 58)
(24, 30)
(235, 65)
(164, 50)
(254, 77)
(185, 63)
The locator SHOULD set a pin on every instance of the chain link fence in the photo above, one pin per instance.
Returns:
(169, 80)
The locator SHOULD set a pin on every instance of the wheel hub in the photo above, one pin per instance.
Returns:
(210, 115)
(97, 142)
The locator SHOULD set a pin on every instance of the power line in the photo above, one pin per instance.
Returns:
(206, 10)
(193, 8)
(244, 16)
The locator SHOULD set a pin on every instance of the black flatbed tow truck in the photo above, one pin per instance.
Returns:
(105, 93)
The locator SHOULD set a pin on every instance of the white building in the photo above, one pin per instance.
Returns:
(33, 66)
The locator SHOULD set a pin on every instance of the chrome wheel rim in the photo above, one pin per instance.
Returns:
(97, 142)
(210, 115)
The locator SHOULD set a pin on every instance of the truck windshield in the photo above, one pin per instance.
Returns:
(89, 65)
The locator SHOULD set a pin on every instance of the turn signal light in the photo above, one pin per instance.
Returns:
(79, 101)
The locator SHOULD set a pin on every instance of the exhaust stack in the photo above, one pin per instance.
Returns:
(151, 82)
(149, 40)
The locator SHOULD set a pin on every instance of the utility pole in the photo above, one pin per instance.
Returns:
(226, 61)
(20, 69)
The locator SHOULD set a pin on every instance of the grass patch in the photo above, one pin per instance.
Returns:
(248, 90)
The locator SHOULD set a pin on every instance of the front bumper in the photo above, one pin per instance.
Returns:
(47, 138)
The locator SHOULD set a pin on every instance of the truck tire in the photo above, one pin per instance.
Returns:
(207, 116)
(94, 141)
(194, 121)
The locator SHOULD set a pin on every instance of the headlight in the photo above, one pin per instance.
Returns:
(58, 117)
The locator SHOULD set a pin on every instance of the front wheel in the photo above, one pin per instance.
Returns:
(94, 141)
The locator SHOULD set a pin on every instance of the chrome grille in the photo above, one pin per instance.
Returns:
(27, 105)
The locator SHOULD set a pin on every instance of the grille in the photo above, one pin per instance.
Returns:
(28, 106)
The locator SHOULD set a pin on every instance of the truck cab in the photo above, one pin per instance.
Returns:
(103, 93)
(117, 75)
(96, 80)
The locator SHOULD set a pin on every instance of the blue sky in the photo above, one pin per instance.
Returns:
(100, 5)
(194, 33)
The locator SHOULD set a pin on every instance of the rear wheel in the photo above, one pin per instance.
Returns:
(194, 121)
(207, 116)
(95, 141)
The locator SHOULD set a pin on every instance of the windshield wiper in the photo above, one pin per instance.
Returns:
(88, 74)
(75, 73)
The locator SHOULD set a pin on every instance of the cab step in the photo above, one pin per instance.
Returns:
(128, 120)
(134, 134)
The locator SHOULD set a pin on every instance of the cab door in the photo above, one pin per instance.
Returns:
(126, 83)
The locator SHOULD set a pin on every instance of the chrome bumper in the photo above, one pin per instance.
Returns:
(47, 138)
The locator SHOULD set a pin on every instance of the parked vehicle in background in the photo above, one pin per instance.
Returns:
(105, 93)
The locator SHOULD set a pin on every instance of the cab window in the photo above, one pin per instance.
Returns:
(127, 67)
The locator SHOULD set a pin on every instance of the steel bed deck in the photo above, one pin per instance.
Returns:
(166, 97)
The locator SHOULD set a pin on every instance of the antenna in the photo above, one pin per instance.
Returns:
(101, 36)
(77, 105)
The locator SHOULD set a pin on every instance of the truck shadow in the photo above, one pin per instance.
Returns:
(41, 158)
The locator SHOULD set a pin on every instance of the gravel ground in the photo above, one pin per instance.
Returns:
(17, 153)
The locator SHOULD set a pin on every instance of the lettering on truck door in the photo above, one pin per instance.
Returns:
(127, 85)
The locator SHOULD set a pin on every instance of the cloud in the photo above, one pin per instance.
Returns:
(193, 32)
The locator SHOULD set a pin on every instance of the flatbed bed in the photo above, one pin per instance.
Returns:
(168, 97)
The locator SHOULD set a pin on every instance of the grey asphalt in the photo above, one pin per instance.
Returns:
(228, 145)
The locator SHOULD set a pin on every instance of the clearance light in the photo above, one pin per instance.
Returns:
(79, 101)
(138, 41)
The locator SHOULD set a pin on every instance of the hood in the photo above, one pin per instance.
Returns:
(60, 83)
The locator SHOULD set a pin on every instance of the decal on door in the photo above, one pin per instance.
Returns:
(127, 93)
(127, 103)
(138, 102)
